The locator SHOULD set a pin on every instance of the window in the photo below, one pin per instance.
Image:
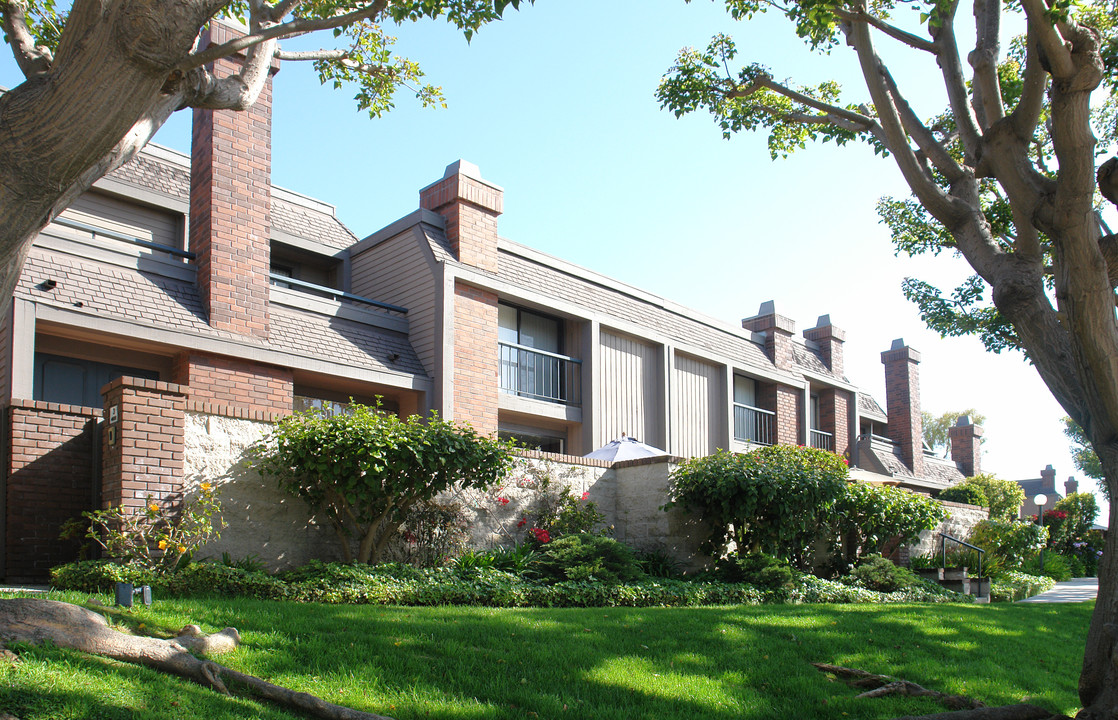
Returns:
(745, 391)
(521, 327)
(74, 381)
(751, 423)
(532, 441)
(531, 366)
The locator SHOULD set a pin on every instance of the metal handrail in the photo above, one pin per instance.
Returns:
(94, 230)
(537, 351)
(821, 440)
(943, 548)
(539, 374)
(334, 293)
(752, 424)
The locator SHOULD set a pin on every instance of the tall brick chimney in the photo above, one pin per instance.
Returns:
(830, 340)
(470, 206)
(966, 446)
(778, 332)
(231, 203)
(1048, 481)
(1071, 486)
(902, 401)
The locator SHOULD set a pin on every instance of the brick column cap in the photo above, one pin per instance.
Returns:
(767, 319)
(825, 330)
(1048, 478)
(145, 384)
(471, 187)
(899, 351)
(964, 427)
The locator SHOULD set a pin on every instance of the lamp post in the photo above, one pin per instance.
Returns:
(1040, 500)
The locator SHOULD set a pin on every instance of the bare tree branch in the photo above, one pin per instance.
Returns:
(299, 26)
(854, 121)
(341, 56)
(32, 59)
(916, 129)
(984, 61)
(1026, 116)
(956, 85)
(1048, 39)
(281, 9)
(913, 41)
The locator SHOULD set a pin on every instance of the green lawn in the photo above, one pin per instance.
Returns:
(627, 664)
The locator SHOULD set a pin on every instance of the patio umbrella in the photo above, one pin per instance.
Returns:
(625, 448)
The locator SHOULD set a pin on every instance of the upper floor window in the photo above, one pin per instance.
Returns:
(522, 327)
(74, 381)
(531, 364)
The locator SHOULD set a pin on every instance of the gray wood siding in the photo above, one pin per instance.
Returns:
(628, 389)
(160, 226)
(698, 406)
(397, 271)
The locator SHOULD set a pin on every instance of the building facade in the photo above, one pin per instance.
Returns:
(191, 284)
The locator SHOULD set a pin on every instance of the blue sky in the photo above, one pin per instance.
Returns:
(557, 105)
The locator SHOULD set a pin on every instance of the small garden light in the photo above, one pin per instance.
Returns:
(126, 591)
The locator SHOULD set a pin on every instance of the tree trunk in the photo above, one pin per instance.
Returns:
(69, 626)
(1098, 681)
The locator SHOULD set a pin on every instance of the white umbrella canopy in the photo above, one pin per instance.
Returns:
(625, 448)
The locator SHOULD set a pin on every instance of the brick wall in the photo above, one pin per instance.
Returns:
(778, 332)
(258, 389)
(470, 206)
(230, 205)
(834, 417)
(789, 408)
(902, 401)
(475, 357)
(50, 471)
(143, 448)
(830, 340)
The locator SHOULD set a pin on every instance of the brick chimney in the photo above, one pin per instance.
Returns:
(1048, 481)
(777, 330)
(966, 446)
(231, 202)
(902, 401)
(1071, 486)
(830, 340)
(470, 206)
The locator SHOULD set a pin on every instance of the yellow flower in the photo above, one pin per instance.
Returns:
(153, 507)
(206, 487)
(162, 544)
(182, 548)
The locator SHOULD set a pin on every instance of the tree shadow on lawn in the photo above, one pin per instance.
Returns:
(662, 663)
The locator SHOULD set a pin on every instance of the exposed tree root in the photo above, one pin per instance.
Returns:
(962, 707)
(35, 621)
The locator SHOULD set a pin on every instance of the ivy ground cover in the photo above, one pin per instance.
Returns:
(467, 663)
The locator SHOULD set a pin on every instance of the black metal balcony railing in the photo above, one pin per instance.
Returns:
(540, 375)
(753, 424)
(823, 440)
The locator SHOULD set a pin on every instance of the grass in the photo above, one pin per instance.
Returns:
(467, 663)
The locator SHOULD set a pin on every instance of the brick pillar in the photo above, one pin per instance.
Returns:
(476, 368)
(230, 203)
(966, 446)
(470, 206)
(830, 340)
(1071, 486)
(142, 442)
(902, 401)
(789, 415)
(834, 417)
(777, 330)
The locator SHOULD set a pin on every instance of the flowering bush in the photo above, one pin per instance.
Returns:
(158, 536)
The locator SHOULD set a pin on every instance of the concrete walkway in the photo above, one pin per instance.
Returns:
(1074, 590)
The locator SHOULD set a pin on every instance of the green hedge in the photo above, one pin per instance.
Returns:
(394, 584)
(1012, 586)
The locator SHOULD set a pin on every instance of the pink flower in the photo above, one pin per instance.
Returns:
(503, 500)
(541, 535)
(522, 523)
(585, 495)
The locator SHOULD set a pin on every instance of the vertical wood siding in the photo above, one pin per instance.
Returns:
(698, 406)
(160, 226)
(628, 391)
(396, 271)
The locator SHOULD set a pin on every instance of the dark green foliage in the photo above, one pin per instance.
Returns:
(771, 500)
(517, 559)
(364, 470)
(1011, 586)
(869, 516)
(877, 573)
(757, 569)
(1083, 455)
(432, 534)
(659, 563)
(966, 494)
(587, 557)
(1011, 541)
(1003, 497)
(1055, 567)
(99, 576)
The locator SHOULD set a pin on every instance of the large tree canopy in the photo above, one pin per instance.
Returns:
(1005, 176)
(103, 76)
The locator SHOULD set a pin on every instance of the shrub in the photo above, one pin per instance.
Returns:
(964, 493)
(587, 557)
(517, 559)
(364, 469)
(658, 563)
(432, 533)
(870, 516)
(1012, 541)
(1070, 520)
(1003, 497)
(877, 573)
(757, 569)
(1055, 567)
(771, 500)
(99, 576)
(157, 537)
(1012, 586)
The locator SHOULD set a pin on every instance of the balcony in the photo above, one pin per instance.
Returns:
(822, 440)
(540, 375)
(753, 424)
